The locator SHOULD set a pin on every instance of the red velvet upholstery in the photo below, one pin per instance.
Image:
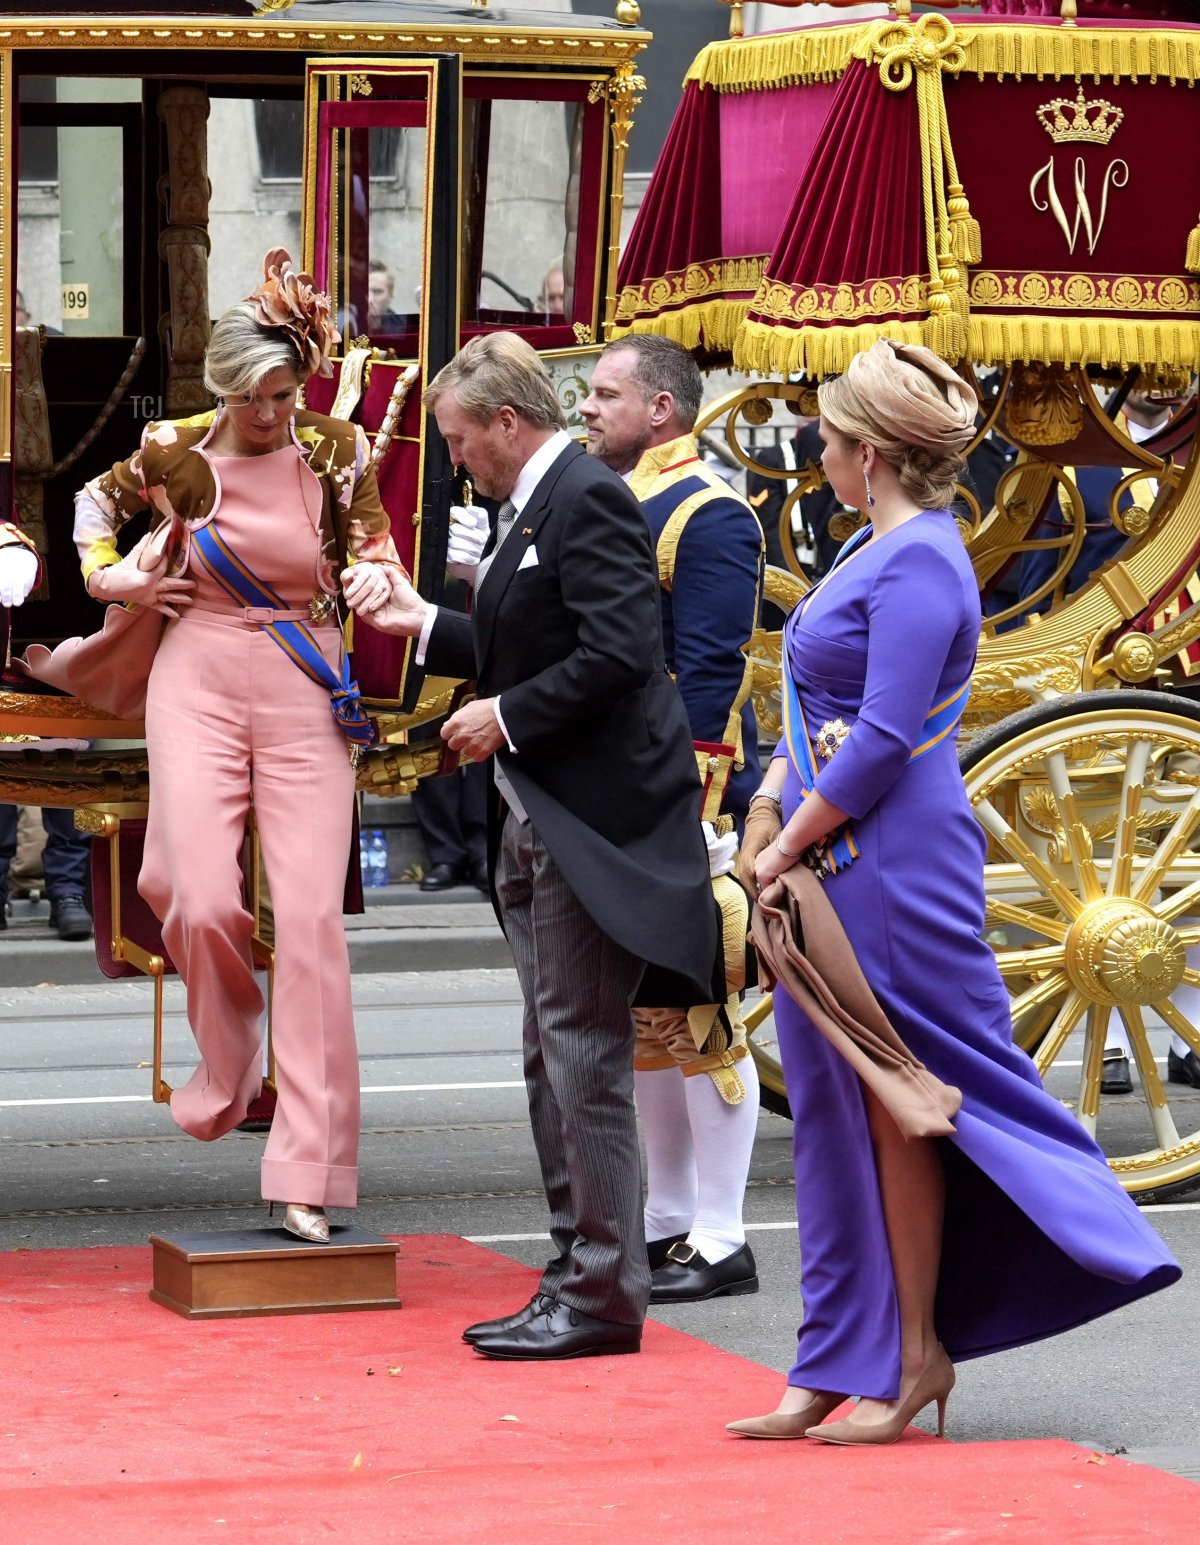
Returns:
(855, 220)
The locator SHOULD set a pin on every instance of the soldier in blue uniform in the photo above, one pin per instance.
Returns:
(697, 1087)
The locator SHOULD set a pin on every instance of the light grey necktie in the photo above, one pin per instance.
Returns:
(505, 520)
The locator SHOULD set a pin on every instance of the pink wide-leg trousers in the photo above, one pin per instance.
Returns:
(230, 718)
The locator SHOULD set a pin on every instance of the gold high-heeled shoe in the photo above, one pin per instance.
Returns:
(935, 1383)
(306, 1222)
(788, 1424)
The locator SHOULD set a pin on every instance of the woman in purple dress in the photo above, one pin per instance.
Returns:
(916, 1254)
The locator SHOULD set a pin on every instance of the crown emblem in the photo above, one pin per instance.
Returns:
(1080, 122)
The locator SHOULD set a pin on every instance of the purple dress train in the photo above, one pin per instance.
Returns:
(1039, 1236)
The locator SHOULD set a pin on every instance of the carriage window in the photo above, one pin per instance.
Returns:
(76, 146)
(533, 212)
(377, 234)
(521, 182)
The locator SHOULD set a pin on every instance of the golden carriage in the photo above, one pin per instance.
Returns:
(1010, 188)
(471, 155)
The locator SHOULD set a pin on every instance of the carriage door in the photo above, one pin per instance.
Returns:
(380, 235)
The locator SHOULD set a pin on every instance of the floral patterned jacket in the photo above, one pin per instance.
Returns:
(172, 475)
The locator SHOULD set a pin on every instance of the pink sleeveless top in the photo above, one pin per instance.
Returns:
(262, 516)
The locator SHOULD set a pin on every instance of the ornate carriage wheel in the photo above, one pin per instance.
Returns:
(1092, 809)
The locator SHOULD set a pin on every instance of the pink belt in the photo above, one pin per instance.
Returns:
(249, 616)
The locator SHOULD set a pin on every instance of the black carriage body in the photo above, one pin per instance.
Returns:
(107, 113)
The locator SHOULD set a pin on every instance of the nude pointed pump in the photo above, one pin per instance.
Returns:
(309, 1223)
(788, 1424)
(935, 1383)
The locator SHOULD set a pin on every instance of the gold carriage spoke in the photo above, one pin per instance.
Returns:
(1022, 917)
(1165, 1132)
(1064, 1022)
(1189, 936)
(1192, 977)
(1180, 1023)
(1179, 902)
(1120, 876)
(1029, 1035)
(996, 826)
(1169, 849)
(1079, 841)
(1093, 1064)
(1023, 962)
(1041, 992)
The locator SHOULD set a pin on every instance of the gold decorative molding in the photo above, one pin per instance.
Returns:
(1043, 406)
(498, 44)
(625, 91)
(1059, 290)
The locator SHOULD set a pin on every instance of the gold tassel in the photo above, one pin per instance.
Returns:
(964, 228)
(945, 329)
(1192, 261)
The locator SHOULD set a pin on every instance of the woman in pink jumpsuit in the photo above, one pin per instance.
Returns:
(232, 722)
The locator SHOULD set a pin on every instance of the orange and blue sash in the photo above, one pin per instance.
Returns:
(293, 638)
(841, 849)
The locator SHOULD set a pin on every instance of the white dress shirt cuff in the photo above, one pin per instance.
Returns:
(426, 629)
(499, 721)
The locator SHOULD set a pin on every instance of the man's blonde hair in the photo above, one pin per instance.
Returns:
(499, 370)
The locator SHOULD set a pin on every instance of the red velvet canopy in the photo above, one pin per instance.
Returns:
(1004, 190)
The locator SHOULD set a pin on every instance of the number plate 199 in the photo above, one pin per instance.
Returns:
(74, 302)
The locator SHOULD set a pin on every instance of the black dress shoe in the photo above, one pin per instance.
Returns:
(564, 1332)
(70, 917)
(687, 1277)
(439, 877)
(1115, 1075)
(1183, 1070)
(479, 877)
(540, 1303)
(658, 1249)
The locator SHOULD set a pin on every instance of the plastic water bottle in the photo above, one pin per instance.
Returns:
(377, 859)
(364, 863)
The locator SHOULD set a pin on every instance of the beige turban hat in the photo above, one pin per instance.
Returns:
(895, 395)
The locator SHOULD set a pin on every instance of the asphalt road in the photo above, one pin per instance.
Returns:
(90, 1160)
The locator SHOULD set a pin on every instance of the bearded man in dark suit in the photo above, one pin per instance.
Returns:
(599, 869)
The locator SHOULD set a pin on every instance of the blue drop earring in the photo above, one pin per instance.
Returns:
(867, 486)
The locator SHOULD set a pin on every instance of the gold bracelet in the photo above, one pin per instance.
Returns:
(783, 850)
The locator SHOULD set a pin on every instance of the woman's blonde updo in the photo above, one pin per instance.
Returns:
(241, 352)
(286, 321)
(917, 413)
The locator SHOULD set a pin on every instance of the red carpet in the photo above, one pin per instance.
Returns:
(121, 1422)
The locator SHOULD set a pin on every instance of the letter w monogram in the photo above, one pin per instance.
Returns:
(1116, 175)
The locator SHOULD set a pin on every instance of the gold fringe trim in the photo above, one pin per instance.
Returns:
(817, 351)
(1097, 341)
(1007, 48)
(711, 323)
(1192, 261)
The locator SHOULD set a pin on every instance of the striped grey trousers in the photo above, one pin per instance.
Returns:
(578, 1039)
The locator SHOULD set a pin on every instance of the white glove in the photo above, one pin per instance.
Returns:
(468, 536)
(721, 850)
(141, 576)
(18, 574)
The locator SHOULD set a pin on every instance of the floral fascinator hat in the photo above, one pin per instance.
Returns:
(292, 302)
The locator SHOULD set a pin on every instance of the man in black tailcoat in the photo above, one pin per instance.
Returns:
(598, 865)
